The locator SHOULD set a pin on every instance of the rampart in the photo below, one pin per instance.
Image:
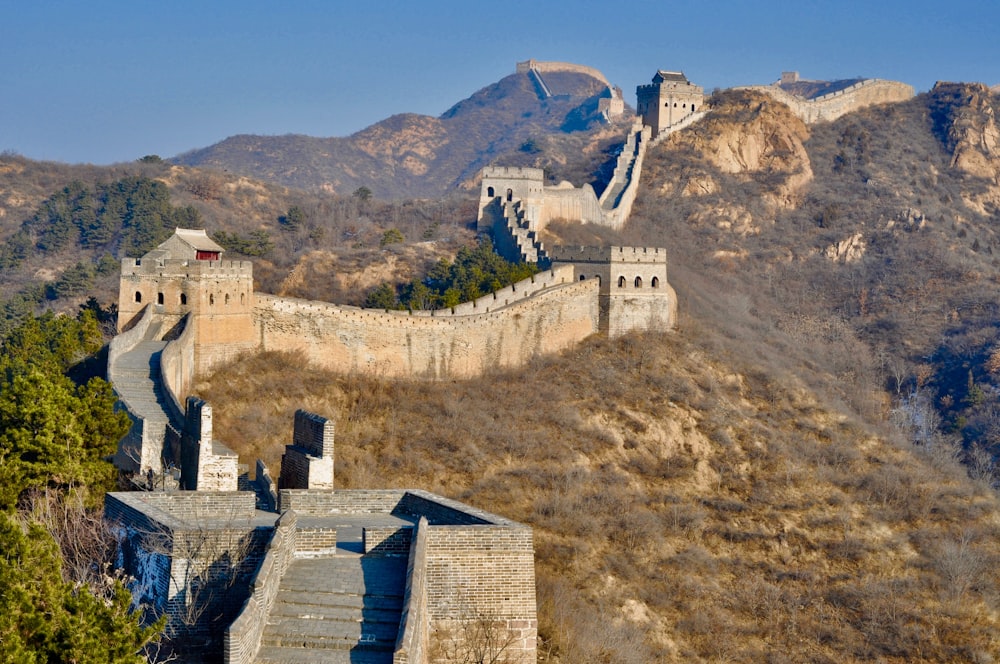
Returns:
(242, 638)
(209, 558)
(477, 565)
(413, 642)
(508, 332)
(139, 448)
(515, 204)
(182, 548)
(177, 366)
(551, 66)
(828, 107)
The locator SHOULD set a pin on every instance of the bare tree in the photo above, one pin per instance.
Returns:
(478, 636)
(86, 541)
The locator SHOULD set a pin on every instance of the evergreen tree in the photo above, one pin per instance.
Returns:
(45, 619)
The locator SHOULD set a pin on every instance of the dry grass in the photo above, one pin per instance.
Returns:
(683, 510)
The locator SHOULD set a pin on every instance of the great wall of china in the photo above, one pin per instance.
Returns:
(829, 107)
(299, 570)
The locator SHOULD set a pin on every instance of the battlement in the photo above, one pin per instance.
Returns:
(185, 267)
(508, 172)
(570, 254)
(830, 106)
(552, 66)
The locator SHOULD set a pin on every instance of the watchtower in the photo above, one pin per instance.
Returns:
(669, 99)
(509, 184)
(185, 275)
(634, 293)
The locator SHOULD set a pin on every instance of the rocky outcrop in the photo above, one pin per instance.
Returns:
(748, 134)
(964, 120)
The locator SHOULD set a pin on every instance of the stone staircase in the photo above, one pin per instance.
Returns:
(527, 243)
(137, 381)
(342, 609)
(609, 201)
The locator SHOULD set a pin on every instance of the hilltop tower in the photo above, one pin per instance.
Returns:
(634, 293)
(185, 275)
(669, 99)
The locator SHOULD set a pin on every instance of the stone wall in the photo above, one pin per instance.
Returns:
(309, 502)
(551, 66)
(242, 637)
(206, 464)
(188, 553)
(308, 462)
(387, 541)
(178, 366)
(836, 104)
(484, 574)
(412, 644)
(438, 345)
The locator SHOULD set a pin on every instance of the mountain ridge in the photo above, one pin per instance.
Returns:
(409, 155)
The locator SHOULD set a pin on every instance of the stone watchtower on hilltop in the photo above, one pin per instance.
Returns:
(668, 100)
(186, 276)
(634, 293)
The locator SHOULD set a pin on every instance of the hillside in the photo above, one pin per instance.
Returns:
(417, 156)
(779, 480)
(332, 251)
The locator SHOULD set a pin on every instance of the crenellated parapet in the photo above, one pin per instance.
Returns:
(829, 107)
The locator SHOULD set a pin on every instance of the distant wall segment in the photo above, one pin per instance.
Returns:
(550, 66)
(431, 345)
(828, 107)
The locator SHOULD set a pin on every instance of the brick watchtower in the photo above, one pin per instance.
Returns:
(186, 275)
(634, 293)
(668, 100)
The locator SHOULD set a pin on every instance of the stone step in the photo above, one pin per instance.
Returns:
(303, 602)
(373, 612)
(324, 629)
(280, 655)
(333, 639)
(344, 592)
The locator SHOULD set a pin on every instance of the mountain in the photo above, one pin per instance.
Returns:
(417, 156)
(805, 470)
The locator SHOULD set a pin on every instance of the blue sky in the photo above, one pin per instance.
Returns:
(108, 81)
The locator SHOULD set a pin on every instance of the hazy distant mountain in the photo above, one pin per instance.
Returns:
(409, 155)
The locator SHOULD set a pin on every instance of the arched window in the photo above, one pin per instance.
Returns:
(242, 297)
(684, 105)
(638, 282)
(655, 283)
(211, 298)
(184, 299)
(582, 277)
(675, 104)
(692, 108)
(227, 299)
(490, 192)
(138, 296)
(159, 298)
(510, 195)
(621, 282)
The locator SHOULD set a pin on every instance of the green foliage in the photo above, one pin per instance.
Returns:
(391, 236)
(129, 216)
(475, 272)
(382, 296)
(151, 159)
(293, 219)
(362, 193)
(52, 432)
(75, 280)
(257, 243)
(45, 619)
